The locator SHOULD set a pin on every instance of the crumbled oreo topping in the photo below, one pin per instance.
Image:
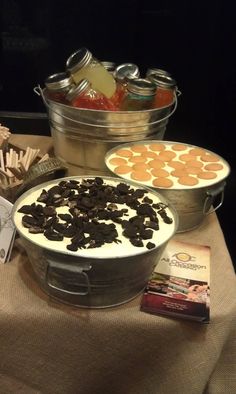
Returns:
(93, 213)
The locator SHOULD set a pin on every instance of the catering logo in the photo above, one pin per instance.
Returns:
(185, 257)
(183, 260)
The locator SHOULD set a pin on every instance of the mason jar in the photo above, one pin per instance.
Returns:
(165, 90)
(109, 66)
(157, 71)
(82, 65)
(139, 96)
(57, 86)
(84, 95)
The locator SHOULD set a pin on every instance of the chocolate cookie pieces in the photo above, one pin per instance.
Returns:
(94, 213)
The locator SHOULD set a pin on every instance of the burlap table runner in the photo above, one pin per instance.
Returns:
(50, 348)
(47, 347)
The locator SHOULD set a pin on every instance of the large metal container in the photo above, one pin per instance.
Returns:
(191, 204)
(82, 137)
(194, 205)
(97, 282)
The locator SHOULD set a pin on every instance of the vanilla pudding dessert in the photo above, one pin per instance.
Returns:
(94, 217)
(190, 177)
(167, 165)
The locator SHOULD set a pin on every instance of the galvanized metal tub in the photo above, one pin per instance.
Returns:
(82, 137)
(191, 204)
(91, 282)
(194, 205)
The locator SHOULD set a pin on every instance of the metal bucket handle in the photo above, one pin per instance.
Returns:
(69, 268)
(39, 91)
(211, 194)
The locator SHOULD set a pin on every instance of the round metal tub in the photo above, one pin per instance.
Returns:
(191, 203)
(194, 205)
(91, 281)
(81, 137)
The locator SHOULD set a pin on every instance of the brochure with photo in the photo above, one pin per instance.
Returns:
(180, 284)
(7, 230)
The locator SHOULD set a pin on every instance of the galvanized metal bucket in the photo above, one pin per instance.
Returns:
(92, 282)
(194, 205)
(81, 137)
(191, 204)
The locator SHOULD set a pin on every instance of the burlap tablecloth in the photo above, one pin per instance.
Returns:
(50, 348)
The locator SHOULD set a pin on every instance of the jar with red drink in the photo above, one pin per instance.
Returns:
(165, 90)
(57, 86)
(84, 96)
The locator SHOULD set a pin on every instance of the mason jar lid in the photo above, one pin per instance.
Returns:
(129, 78)
(78, 59)
(126, 70)
(142, 87)
(58, 81)
(109, 66)
(157, 71)
(162, 81)
(77, 89)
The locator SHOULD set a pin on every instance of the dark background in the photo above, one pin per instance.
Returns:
(194, 40)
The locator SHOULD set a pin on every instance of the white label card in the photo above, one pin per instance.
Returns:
(7, 230)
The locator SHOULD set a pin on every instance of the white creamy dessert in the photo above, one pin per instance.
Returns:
(165, 164)
(108, 250)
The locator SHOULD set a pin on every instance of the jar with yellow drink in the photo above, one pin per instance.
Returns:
(82, 65)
